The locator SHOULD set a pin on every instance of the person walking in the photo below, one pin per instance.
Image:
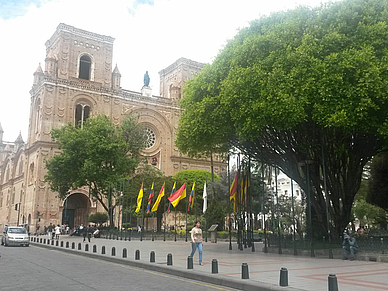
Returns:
(57, 232)
(50, 231)
(196, 241)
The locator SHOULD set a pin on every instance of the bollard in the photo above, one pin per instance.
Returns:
(94, 249)
(113, 253)
(67, 244)
(253, 246)
(79, 246)
(52, 242)
(283, 281)
(86, 247)
(152, 237)
(103, 250)
(169, 260)
(73, 245)
(152, 257)
(48, 241)
(214, 266)
(124, 252)
(62, 244)
(44, 241)
(332, 280)
(57, 243)
(244, 271)
(189, 262)
(40, 240)
(137, 255)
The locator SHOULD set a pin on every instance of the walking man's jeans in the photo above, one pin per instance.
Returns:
(194, 247)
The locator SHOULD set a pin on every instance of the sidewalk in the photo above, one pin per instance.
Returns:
(304, 273)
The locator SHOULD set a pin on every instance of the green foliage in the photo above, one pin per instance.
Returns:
(198, 176)
(296, 84)
(98, 218)
(216, 213)
(98, 156)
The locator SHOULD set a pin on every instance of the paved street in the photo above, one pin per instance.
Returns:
(305, 273)
(36, 268)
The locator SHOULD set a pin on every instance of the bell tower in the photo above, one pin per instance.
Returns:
(80, 54)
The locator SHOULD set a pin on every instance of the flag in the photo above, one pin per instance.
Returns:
(233, 188)
(160, 196)
(172, 191)
(139, 199)
(178, 195)
(191, 198)
(150, 198)
(204, 198)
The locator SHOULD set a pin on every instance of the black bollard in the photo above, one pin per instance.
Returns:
(103, 250)
(214, 266)
(86, 247)
(124, 252)
(137, 255)
(44, 241)
(152, 257)
(62, 244)
(48, 241)
(169, 260)
(189, 262)
(333, 284)
(113, 253)
(57, 243)
(40, 240)
(79, 246)
(67, 244)
(283, 281)
(52, 242)
(94, 249)
(253, 246)
(73, 245)
(244, 271)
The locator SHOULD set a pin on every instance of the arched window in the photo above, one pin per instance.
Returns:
(85, 64)
(82, 112)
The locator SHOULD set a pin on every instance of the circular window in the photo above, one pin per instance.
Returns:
(150, 137)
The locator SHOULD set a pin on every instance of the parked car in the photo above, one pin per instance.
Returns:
(15, 236)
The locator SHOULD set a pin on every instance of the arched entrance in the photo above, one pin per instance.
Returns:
(75, 210)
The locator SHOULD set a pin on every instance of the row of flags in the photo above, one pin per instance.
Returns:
(174, 199)
(239, 189)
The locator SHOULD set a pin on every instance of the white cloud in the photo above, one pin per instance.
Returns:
(148, 37)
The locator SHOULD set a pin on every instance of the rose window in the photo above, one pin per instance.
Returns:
(150, 138)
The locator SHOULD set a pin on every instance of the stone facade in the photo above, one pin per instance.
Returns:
(78, 82)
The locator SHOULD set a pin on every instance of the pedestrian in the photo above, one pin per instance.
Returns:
(57, 232)
(89, 231)
(50, 231)
(5, 228)
(84, 231)
(196, 241)
(349, 246)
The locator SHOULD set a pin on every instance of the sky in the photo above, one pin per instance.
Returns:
(149, 36)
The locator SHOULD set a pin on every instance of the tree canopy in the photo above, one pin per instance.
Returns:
(96, 156)
(378, 183)
(296, 86)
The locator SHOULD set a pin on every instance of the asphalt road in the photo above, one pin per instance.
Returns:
(34, 268)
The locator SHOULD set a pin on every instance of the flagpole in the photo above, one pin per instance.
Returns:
(187, 205)
(142, 216)
(230, 222)
(175, 224)
(164, 214)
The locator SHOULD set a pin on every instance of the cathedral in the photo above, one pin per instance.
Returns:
(79, 81)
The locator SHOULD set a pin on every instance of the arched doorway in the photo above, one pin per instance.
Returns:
(75, 210)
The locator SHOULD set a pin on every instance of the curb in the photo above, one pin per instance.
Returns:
(215, 279)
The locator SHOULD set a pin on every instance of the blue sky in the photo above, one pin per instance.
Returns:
(149, 36)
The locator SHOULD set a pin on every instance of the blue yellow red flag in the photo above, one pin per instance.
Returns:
(178, 195)
(191, 198)
(160, 196)
(150, 198)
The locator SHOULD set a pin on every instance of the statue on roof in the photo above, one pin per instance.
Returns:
(146, 79)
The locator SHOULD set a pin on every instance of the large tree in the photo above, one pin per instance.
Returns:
(293, 87)
(98, 156)
(378, 183)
